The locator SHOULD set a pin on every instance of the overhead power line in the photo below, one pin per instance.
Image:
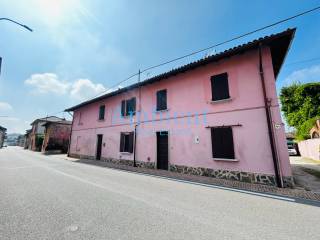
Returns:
(232, 39)
(303, 61)
(212, 46)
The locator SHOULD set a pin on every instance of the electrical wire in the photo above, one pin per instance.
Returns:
(208, 48)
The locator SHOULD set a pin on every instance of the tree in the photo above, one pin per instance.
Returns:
(300, 104)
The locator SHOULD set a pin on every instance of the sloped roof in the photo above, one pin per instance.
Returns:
(279, 44)
(64, 122)
(47, 119)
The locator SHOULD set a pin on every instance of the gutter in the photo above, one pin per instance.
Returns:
(267, 103)
(70, 136)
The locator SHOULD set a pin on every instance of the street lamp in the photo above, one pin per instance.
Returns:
(22, 25)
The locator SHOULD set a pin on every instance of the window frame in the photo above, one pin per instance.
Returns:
(100, 116)
(126, 142)
(77, 144)
(158, 100)
(80, 118)
(228, 155)
(218, 77)
(125, 104)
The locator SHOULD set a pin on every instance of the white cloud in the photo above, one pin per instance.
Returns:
(5, 107)
(83, 89)
(79, 89)
(47, 83)
(14, 124)
(311, 74)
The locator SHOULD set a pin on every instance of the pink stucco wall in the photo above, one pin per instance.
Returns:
(310, 148)
(190, 92)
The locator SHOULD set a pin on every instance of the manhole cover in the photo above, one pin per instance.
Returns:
(72, 228)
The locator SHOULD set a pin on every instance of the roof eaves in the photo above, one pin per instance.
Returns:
(227, 53)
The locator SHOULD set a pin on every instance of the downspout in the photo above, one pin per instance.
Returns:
(70, 136)
(267, 103)
(136, 124)
(135, 145)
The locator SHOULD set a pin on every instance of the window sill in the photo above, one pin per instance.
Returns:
(221, 101)
(125, 153)
(128, 116)
(164, 110)
(226, 159)
(101, 120)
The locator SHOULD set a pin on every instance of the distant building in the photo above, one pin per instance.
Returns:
(13, 139)
(2, 135)
(37, 131)
(27, 141)
(57, 136)
(20, 141)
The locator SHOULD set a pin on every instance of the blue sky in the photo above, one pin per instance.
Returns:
(79, 48)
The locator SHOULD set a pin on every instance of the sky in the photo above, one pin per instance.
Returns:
(81, 48)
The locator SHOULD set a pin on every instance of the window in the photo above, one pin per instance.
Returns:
(79, 123)
(162, 100)
(128, 107)
(220, 87)
(78, 143)
(126, 142)
(222, 143)
(102, 109)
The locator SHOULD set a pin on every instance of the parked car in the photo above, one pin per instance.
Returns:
(291, 150)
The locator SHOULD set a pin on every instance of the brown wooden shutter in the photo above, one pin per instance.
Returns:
(123, 108)
(131, 141)
(162, 100)
(122, 142)
(222, 143)
(102, 112)
(220, 87)
(133, 106)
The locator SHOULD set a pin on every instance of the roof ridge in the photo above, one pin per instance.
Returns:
(191, 65)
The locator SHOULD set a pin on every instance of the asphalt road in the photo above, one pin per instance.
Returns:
(45, 197)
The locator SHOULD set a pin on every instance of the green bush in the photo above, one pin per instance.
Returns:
(38, 142)
(304, 129)
(300, 105)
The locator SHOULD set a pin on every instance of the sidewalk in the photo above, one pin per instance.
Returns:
(306, 173)
(287, 192)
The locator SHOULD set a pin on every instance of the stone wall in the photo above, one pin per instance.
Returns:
(248, 177)
(258, 178)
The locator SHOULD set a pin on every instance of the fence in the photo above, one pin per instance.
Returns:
(310, 148)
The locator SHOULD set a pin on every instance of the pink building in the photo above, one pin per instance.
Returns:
(217, 117)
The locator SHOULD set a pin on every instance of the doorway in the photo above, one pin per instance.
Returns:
(162, 150)
(99, 146)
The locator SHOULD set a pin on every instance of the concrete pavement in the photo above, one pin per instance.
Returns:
(45, 197)
(306, 173)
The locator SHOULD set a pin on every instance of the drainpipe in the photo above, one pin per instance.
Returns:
(135, 145)
(267, 103)
(70, 137)
(135, 126)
